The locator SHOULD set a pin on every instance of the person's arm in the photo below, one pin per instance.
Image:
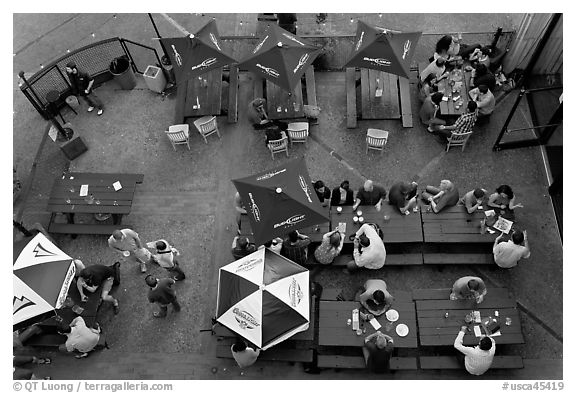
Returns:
(356, 203)
(512, 205)
(341, 243)
(357, 256)
(360, 231)
(469, 207)
(234, 242)
(527, 254)
(89, 88)
(473, 94)
(80, 283)
(492, 201)
(459, 342)
(78, 321)
(496, 241)
(111, 244)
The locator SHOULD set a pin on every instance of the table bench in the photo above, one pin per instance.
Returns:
(233, 95)
(358, 362)
(84, 229)
(444, 293)
(351, 116)
(453, 362)
(273, 354)
(458, 259)
(391, 260)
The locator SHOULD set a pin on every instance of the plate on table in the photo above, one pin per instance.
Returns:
(402, 330)
(392, 315)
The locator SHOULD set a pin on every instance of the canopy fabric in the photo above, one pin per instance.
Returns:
(380, 49)
(42, 274)
(280, 200)
(197, 53)
(264, 297)
(281, 57)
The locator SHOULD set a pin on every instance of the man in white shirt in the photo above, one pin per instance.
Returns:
(437, 67)
(484, 100)
(127, 242)
(244, 355)
(507, 254)
(372, 255)
(81, 338)
(478, 359)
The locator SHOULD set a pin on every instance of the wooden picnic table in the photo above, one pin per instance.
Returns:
(334, 331)
(449, 107)
(282, 104)
(435, 329)
(205, 91)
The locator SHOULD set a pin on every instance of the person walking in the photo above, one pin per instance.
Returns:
(82, 86)
(164, 257)
(162, 293)
(127, 242)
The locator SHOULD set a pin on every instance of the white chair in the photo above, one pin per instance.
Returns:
(207, 126)
(376, 139)
(278, 146)
(458, 139)
(298, 132)
(179, 135)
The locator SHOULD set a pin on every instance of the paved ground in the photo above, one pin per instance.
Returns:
(187, 198)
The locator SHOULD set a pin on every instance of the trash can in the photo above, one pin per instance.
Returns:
(72, 101)
(123, 74)
(154, 78)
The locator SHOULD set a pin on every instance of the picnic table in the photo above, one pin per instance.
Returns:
(449, 107)
(199, 96)
(439, 320)
(65, 198)
(334, 331)
(283, 104)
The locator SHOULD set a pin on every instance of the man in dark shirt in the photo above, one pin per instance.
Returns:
(91, 277)
(370, 195)
(343, 195)
(403, 195)
(377, 350)
(242, 247)
(162, 292)
(82, 86)
(295, 247)
(322, 192)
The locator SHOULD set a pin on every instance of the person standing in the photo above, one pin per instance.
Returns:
(244, 355)
(127, 242)
(508, 254)
(477, 360)
(165, 254)
(469, 287)
(162, 293)
(81, 338)
(82, 86)
(240, 211)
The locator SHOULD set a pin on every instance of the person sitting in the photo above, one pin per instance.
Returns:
(448, 48)
(330, 248)
(444, 196)
(370, 195)
(322, 192)
(504, 198)
(342, 195)
(369, 250)
(93, 277)
(377, 350)
(376, 298)
(427, 87)
(481, 56)
(436, 68)
(257, 114)
(463, 124)
(508, 254)
(469, 287)
(482, 76)
(429, 111)
(273, 134)
(241, 247)
(80, 338)
(472, 200)
(274, 245)
(484, 99)
(244, 355)
(240, 211)
(295, 247)
(403, 195)
(477, 360)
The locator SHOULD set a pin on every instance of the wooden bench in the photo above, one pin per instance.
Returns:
(391, 260)
(458, 259)
(273, 354)
(233, 95)
(405, 104)
(444, 293)
(85, 229)
(351, 115)
(452, 362)
(311, 87)
(258, 86)
(358, 362)
(333, 293)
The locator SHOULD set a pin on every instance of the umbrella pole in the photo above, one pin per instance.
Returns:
(21, 228)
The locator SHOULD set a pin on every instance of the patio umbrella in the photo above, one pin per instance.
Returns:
(263, 297)
(280, 200)
(41, 275)
(281, 57)
(380, 49)
(196, 54)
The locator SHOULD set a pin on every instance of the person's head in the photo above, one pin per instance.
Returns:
(117, 234)
(364, 241)
(486, 50)
(478, 193)
(473, 285)
(319, 186)
(483, 89)
(472, 106)
(446, 185)
(381, 342)
(71, 67)
(368, 185)
(440, 62)
(150, 281)
(345, 185)
(293, 236)
(485, 344)
(517, 237)
(437, 98)
(242, 243)
(63, 329)
(161, 245)
(505, 191)
(268, 244)
(335, 239)
(379, 297)
(481, 69)
(239, 346)
(443, 44)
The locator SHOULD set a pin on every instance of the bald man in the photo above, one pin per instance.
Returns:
(370, 195)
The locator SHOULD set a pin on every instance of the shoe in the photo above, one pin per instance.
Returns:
(100, 111)
(90, 108)
(143, 268)
(85, 354)
(116, 309)
(158, 315)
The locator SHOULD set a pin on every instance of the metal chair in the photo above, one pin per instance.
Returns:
(298, 132)
(278, 146)
(458, 139)
(179, 134)
(207, 126)
(376, 139)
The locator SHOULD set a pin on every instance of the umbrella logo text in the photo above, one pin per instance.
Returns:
(19, 303)
(304, 187)
(254, 208)
(39, 251)
(260, 45)
(248, 265)
(177, 56)
(215, 41)
(293, 39)
(270, 175)
(295, 219)
(295, 293)
(378, 61)
(245, 319)
(66, 285)
(268, 70)
(206, 63)
(301, 62)
(360, 40)
(407, 45)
